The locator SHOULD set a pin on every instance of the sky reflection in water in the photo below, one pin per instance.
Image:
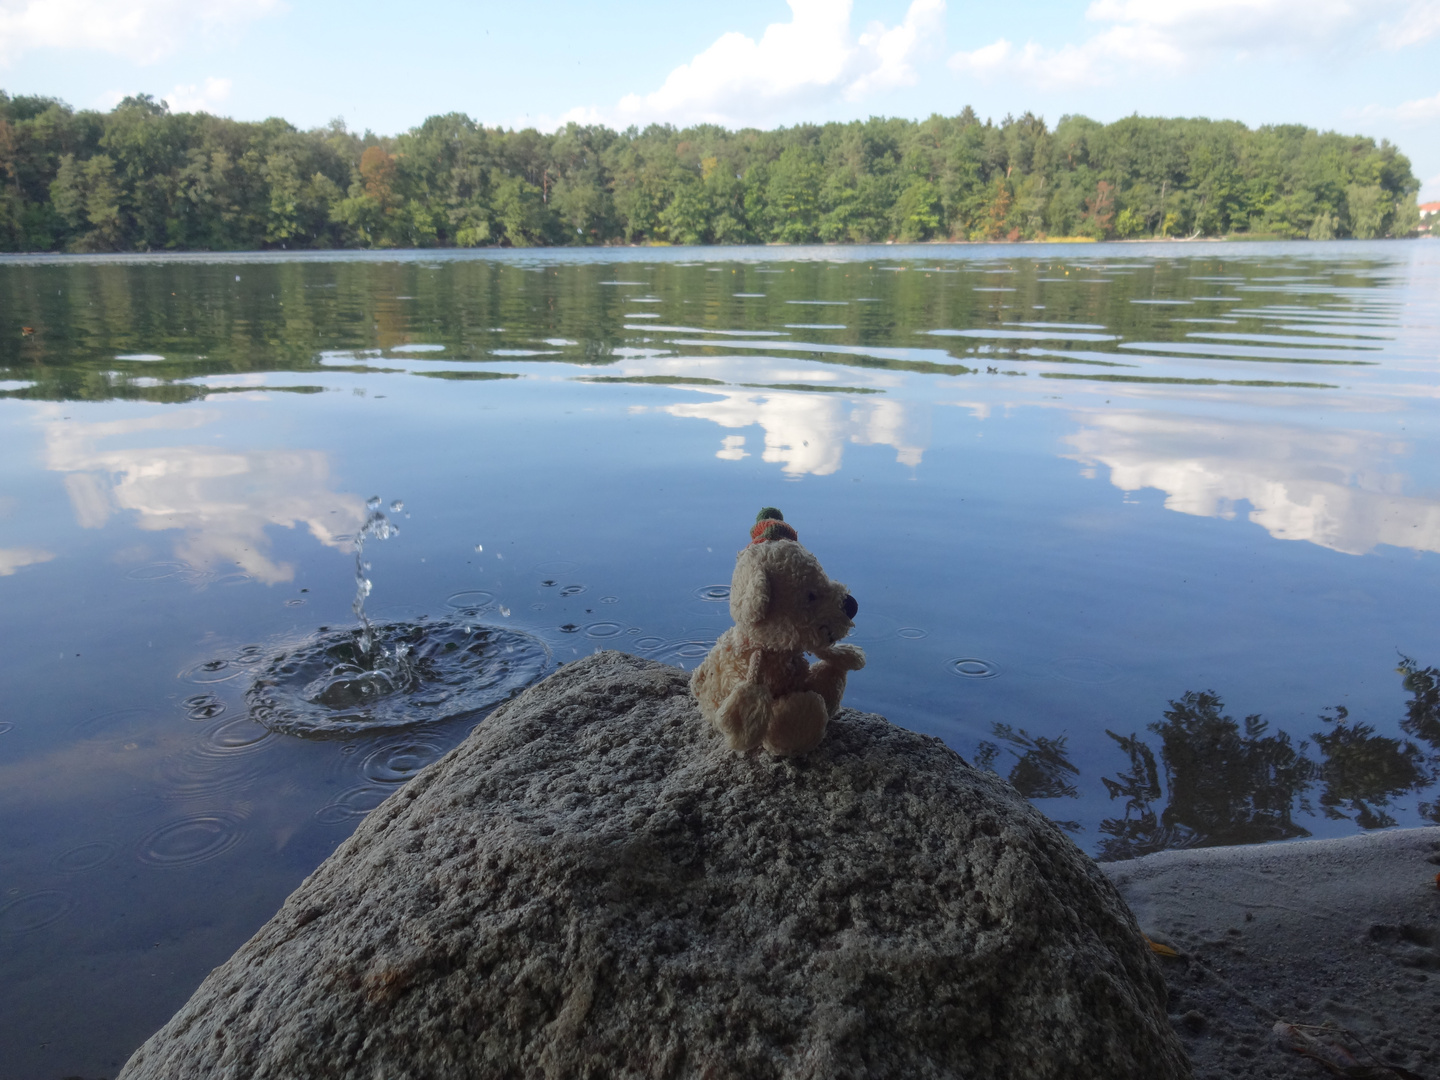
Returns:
(1053, 477)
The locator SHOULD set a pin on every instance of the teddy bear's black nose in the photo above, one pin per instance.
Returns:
(850, 607)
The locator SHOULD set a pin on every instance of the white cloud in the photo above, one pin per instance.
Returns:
(1420, 22)
(193, 98)
(1420, 109)
(812, 58)
(140, 30)
(896, 48)
(1177, 34)
(1099, 60)
(1241, 25)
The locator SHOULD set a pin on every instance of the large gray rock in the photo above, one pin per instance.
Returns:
(591, 885)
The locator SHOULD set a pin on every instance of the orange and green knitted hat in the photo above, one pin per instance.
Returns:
(770, 525)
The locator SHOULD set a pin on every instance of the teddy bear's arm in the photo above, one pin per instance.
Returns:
(827, 678)
(845, 657)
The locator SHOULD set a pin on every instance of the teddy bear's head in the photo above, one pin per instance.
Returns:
(780, 598)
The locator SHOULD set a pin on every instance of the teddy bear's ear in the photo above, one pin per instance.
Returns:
(749, 591)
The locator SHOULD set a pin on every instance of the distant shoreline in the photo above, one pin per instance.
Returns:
(320, 254)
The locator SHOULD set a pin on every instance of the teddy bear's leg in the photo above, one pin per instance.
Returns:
(827, 680)
(797, 723)
(705, 684)
(744, 715)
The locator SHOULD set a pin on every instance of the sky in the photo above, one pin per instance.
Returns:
(1369, 67)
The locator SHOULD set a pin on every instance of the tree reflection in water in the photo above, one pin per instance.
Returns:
(1041, 769)
(1422, 720)
(1227, 784)
(1236, 782)
(1363, 771)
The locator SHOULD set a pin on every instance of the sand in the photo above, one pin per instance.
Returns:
(1330, 947)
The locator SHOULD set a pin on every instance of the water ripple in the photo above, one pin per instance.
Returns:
(396, 762)
(470, 599)
(85, 857)
(203, 707)
(191, 840)
(685, 654)
(972, 667)
(27, 913)
(216, 669)
(352, 804)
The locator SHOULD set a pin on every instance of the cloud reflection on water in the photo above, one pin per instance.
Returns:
(1337, 489)
(806, 433)
(223, 500)
(12, 559)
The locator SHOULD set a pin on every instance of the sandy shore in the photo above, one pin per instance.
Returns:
(1277, 941)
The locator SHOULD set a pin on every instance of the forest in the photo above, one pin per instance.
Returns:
(141, 178)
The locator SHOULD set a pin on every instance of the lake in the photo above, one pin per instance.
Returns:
(1150, 530)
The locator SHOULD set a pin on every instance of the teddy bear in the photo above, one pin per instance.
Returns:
(755, 686)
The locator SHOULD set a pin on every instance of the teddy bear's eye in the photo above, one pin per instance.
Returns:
(812, 598)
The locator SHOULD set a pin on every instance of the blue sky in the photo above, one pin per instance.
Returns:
(1368, 66)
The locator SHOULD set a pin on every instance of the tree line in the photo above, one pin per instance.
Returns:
(141, 178)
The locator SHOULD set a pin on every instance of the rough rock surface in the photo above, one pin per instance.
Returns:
(591, 885)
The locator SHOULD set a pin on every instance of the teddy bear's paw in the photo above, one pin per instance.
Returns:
(797, 725)
(844, 657)
(744, 715)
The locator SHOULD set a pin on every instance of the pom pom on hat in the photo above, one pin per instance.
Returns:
(770, 525)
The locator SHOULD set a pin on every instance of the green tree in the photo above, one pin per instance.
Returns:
(87, 197)
(917, 211)
(1406, 219)
(286, 191)
(519, 212)
(791, 202)
(1367, 208)
(1129, 224)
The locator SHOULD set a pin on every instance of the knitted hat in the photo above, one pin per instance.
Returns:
(770, 525)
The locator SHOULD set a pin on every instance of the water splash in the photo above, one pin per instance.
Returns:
(451, 668)
(380, 527)
(389, 676)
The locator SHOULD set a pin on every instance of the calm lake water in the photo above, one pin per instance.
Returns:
(1150, 530)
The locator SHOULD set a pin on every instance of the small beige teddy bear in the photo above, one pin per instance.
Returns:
(755, 686)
